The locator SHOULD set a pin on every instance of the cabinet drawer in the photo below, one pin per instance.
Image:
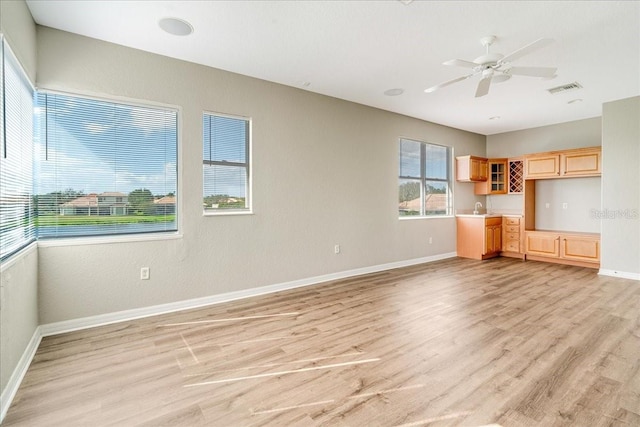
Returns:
(512, 237)
(493, 221)
(511, 246)
(512, 229)
(511, 220)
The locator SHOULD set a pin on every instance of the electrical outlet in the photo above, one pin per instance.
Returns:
(144, 273)
(336, 249)
(546, 205)
(565, 205)
(430, 240)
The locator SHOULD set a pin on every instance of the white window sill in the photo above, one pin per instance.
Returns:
(227, 213)
(416, 217)
(100, 240)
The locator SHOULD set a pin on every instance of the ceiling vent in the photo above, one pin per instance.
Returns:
(565, 88)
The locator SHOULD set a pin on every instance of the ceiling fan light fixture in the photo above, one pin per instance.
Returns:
(176, 26)
(499, 78)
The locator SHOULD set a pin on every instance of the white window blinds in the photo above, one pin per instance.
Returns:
(225, 163)
(104, 167)
(16, 156)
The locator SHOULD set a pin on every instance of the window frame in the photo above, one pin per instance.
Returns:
(29, 232)
(423, 179)
(248, 165)
(92, 239)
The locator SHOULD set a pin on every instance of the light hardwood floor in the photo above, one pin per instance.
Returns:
(454, 342)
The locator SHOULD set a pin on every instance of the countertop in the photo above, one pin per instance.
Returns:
(483, 213)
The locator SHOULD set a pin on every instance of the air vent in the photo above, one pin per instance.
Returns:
(565, 88)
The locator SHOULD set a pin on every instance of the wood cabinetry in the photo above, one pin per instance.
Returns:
(497, 180)
(564, 164)
(581, 249)
(511, 236)
(542, 244)
(471, 169)
(542, 166)
(478, 237)
(492, 236)
(586, 162)
(515, 180)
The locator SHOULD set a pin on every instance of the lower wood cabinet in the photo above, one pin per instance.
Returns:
(478, 237)
(568, 248)
(492, 236)
(511, 233)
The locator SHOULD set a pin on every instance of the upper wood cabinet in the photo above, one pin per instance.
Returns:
(471, 169)
(568, 163)
(587, 162)
(542, 166)
(497, 181)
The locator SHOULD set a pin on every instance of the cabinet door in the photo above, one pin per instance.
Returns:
(543, 244)
(481, 166)
(497, 181)
(582, 163)
(471, 169)
(493, 239)
(580, 248)
(542, 166)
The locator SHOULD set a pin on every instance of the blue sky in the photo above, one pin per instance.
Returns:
(95, 146)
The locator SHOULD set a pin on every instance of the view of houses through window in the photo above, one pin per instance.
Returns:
(103, 167)
(424, 187)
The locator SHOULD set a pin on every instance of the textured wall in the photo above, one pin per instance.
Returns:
(324, 173)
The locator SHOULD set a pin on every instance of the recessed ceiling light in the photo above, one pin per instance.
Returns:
(394, 92)
(494, 118)
(175, 26)
(575, 101)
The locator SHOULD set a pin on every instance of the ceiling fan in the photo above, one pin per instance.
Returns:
(496, 68)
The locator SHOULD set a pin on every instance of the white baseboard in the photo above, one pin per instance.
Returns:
(18, 374)
(621, 274)
(137, 313)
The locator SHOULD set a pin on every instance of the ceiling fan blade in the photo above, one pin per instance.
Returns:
(447, 83)
(526, 50)
(533, 71)
(460, 63)
(483, 86)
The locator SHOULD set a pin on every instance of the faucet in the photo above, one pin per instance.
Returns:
(475, 210)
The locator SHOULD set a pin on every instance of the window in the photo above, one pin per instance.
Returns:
(16, 155)
(225, 163)
(424, 179)
(104, 168)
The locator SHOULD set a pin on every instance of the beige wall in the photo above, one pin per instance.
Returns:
(18, 276)
(621, 186)
(18, 310)
(18, 27)
(324, 170)
(581, 195)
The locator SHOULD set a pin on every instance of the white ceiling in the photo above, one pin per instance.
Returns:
(355, 50)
